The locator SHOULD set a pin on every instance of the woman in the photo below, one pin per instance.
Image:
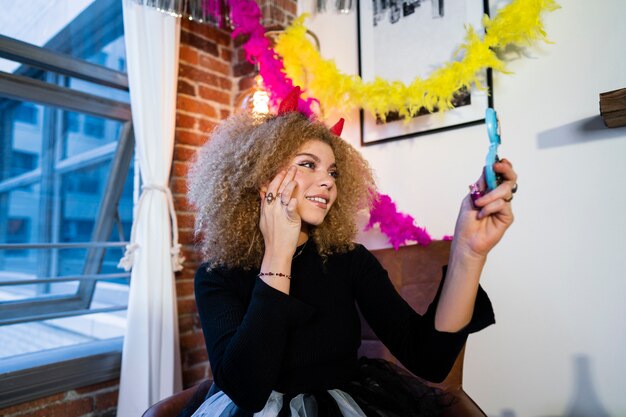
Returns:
(276, 200)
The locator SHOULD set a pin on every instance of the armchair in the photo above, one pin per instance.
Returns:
(417, 289)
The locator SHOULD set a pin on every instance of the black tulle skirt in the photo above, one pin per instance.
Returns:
(380, 389)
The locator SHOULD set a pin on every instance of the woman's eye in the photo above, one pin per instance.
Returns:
(307, 164)
(334, 174)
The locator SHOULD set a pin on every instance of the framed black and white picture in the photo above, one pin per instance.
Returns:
(400, 40)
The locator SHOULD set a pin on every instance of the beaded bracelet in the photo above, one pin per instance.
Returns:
(274, 274)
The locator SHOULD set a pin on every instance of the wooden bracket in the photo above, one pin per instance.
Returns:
(613, 107)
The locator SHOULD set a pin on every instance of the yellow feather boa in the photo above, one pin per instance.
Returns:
(519, 23)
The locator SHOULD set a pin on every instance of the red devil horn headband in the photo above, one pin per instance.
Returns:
(290, 103)
(338, 127)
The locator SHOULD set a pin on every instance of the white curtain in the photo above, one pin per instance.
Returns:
(151, 356)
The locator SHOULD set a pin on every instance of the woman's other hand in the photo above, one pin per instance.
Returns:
(481, 225)
(478, 229)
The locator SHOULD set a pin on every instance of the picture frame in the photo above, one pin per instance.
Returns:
(400, 40)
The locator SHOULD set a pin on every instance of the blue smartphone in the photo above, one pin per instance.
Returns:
(493, 130)
(491, 178)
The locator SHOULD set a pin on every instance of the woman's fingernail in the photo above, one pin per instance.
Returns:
(475, 193)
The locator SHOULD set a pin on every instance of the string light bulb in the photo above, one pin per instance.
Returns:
(255, 99)
(260, 98)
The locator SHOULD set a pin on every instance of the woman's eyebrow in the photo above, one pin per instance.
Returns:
(315, 158)
(310, 155)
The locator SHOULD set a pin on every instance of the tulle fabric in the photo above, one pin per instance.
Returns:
(380, 389)
(383, 389)
(302, 405)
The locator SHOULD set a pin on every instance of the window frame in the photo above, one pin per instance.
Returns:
(38, 374)
(22, 88)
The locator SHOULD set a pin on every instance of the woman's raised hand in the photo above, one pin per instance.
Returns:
(280, 222)
(480, 228)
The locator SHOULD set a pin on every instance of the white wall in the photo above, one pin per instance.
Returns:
(558, 279)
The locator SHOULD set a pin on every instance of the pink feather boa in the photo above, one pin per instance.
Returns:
(399, 227)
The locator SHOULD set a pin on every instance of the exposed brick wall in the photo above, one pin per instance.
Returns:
(98, 400)
(205, 91)
(278, 12)
(213, 71)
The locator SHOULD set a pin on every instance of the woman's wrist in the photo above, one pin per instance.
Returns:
(280, 248)
(466, 263)
(276, 271)
(278, 255)
(465, 254)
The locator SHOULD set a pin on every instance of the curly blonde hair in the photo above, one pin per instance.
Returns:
(244, 153)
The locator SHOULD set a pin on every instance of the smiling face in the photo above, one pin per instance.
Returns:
(316, 191)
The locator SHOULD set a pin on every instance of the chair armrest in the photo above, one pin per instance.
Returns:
(463, 406)
(173, 405)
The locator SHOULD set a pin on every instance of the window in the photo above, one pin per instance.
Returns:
(66, 194)
(26, 114)
(94, 127)
(22, 162)
(18, 231)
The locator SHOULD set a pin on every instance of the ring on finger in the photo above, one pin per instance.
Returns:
(514, 189)
(283, 203)
(508, 200)
(269, 198)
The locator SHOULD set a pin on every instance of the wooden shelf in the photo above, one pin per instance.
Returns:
(613, 107)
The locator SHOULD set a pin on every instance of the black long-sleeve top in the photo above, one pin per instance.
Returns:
(260, 339)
